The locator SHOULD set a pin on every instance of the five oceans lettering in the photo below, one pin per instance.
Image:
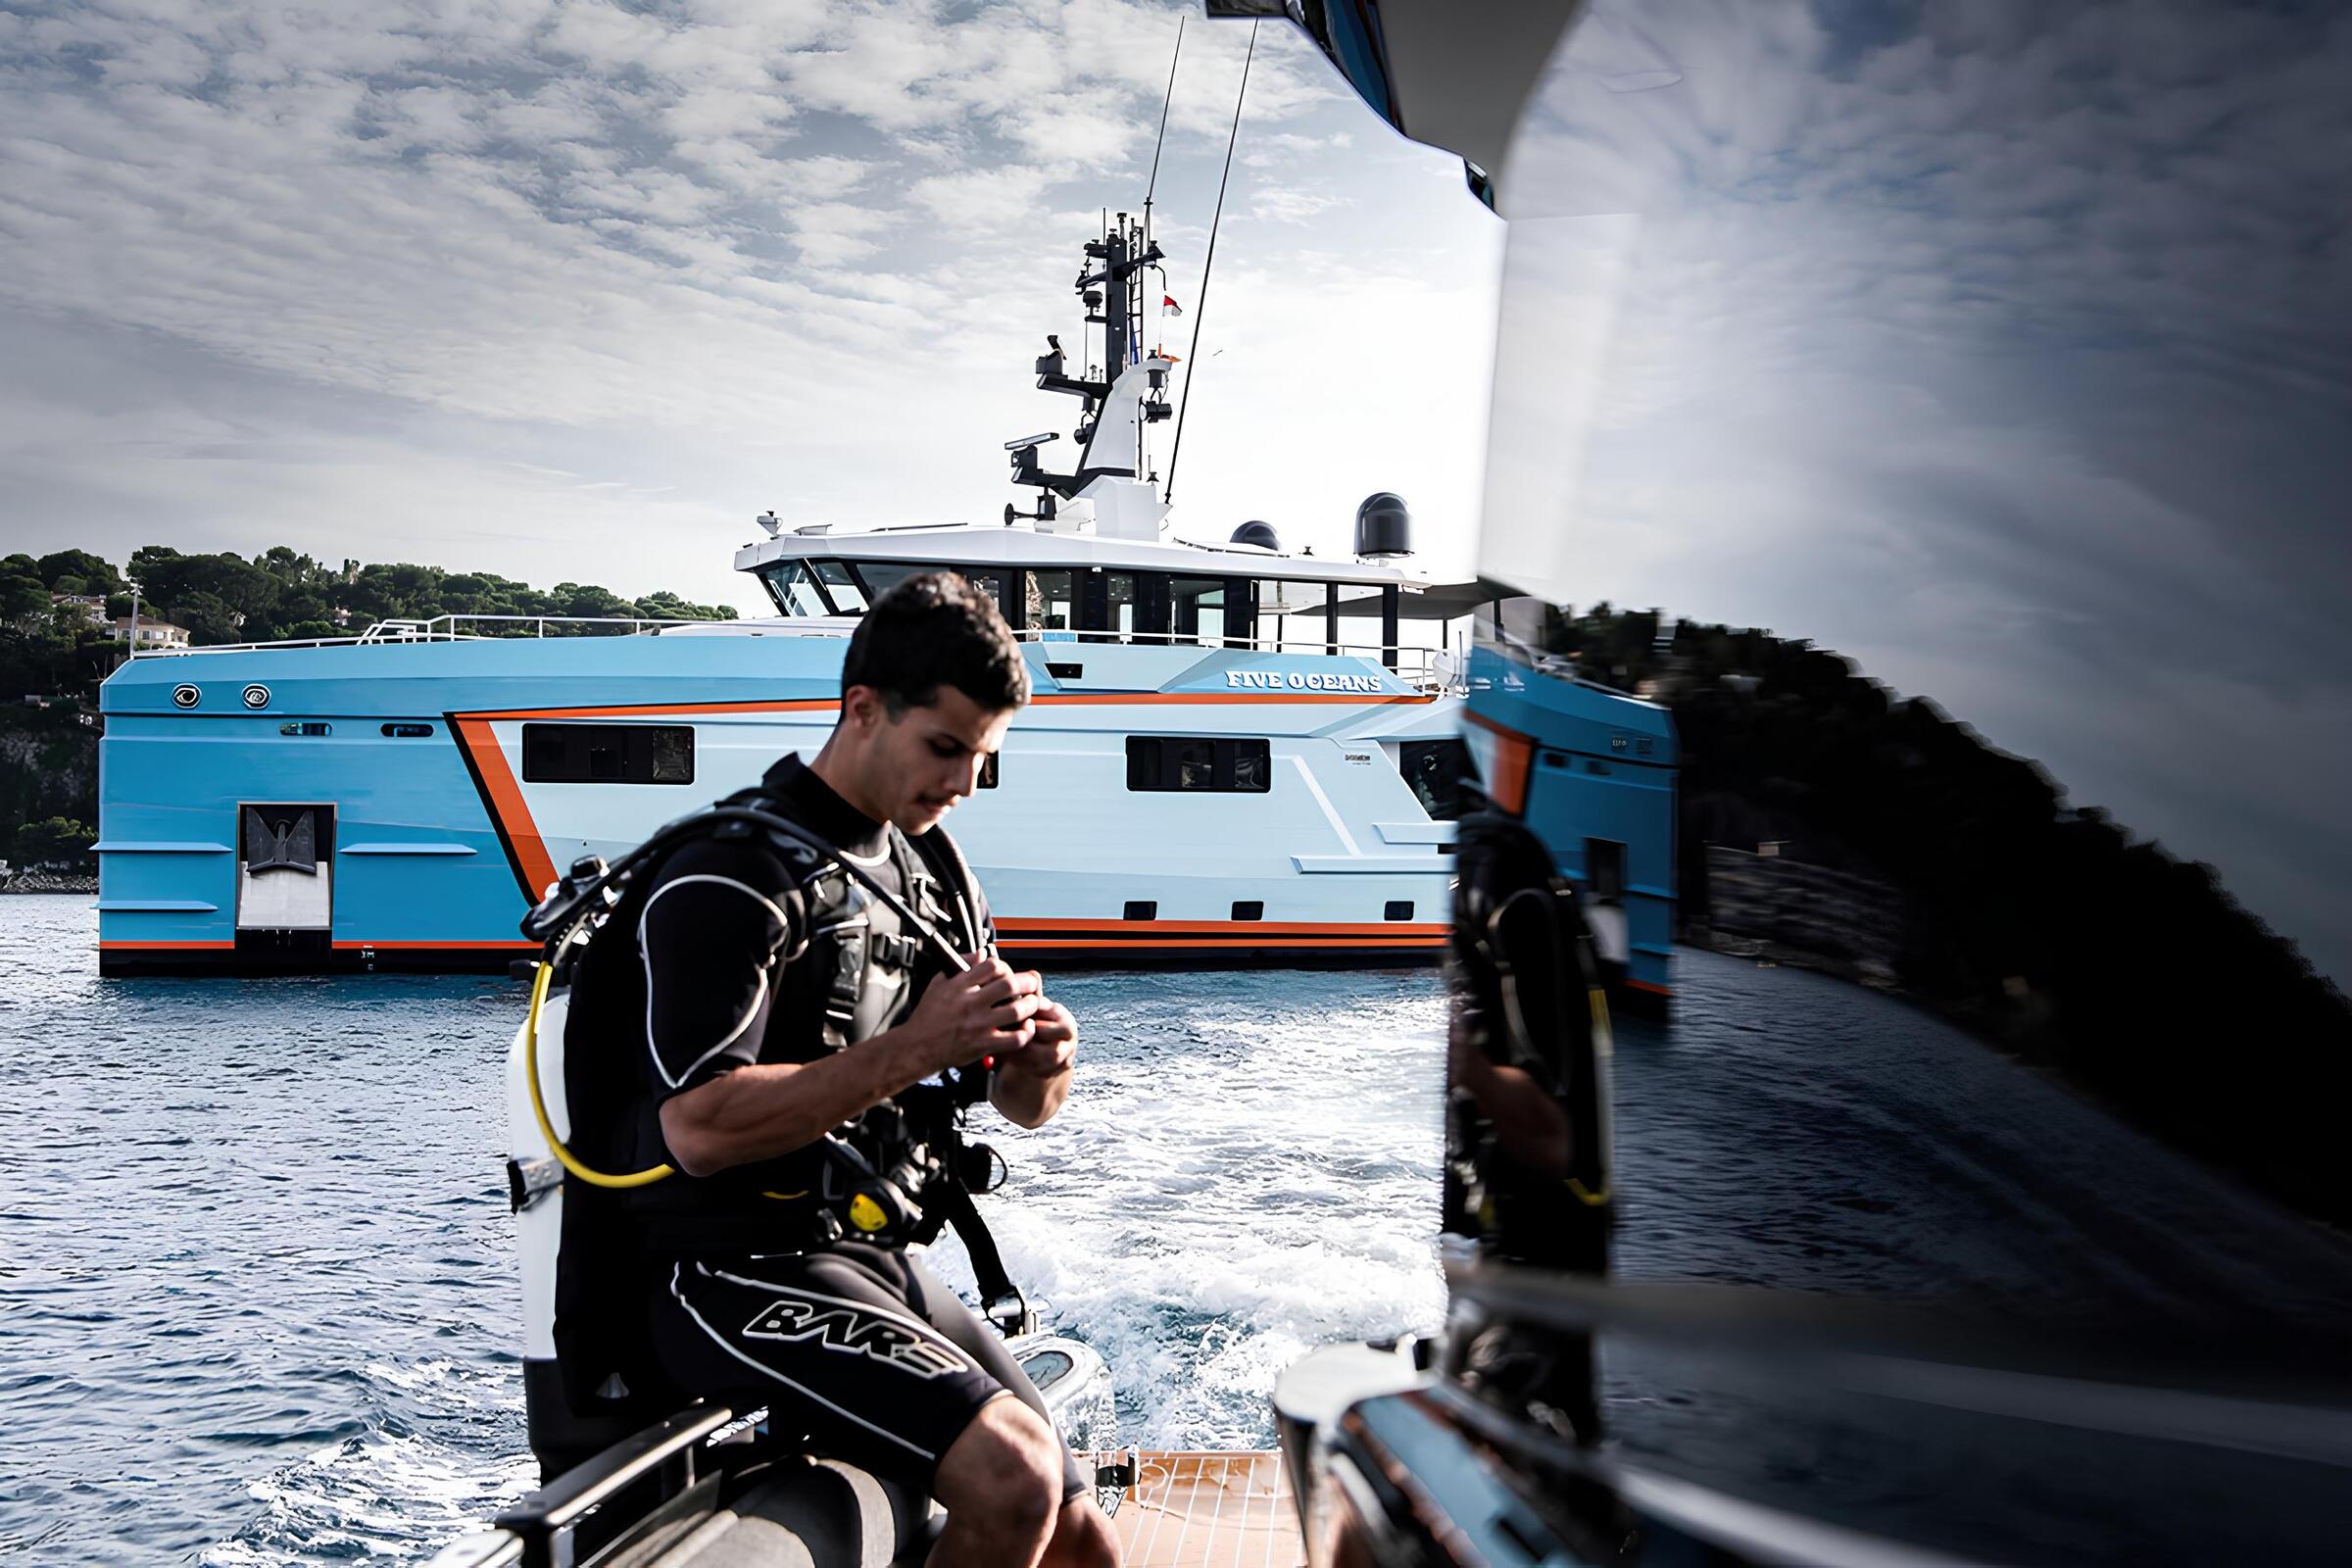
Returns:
(1274, 680)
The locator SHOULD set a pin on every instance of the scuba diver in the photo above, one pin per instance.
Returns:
(758, 1011)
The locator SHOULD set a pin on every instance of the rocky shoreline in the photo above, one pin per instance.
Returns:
(48, 882)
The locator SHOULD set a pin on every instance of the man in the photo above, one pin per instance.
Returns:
(778, 1007)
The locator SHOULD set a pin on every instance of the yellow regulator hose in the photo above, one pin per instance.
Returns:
(547, 1129)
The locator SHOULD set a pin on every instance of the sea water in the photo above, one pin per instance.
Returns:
(258, 1294)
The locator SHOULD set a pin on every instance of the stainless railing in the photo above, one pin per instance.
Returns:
(1432, 669)
(1426, 666)
(449, 629)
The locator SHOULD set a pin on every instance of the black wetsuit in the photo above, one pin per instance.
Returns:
(855, 1344)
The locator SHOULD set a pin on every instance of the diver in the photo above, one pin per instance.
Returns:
(801, 1054)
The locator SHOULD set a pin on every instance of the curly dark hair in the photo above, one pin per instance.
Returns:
(935, 629)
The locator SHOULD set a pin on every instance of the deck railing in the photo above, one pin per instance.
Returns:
(1427, 666)
(452, 628)
(1432, 669)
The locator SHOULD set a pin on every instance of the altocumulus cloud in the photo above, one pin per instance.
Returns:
(735, 254)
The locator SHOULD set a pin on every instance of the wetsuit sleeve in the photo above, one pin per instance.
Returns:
(712, 934)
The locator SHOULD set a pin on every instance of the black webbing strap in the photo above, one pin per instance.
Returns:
(952, 1200)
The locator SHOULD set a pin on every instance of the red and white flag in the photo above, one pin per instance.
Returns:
(1168, 303)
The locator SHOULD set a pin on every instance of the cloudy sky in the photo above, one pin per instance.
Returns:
(2000, 346)
(571, 290)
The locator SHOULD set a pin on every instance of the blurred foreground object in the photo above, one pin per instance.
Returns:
(2009, 346)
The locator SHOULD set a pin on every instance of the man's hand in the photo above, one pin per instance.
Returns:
(1033, 1081)
(770, 1109)
(1053, 1042)
(987, 1011)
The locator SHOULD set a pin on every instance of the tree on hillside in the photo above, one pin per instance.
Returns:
(207, 618)
(23, 598)
(279, 593)
(59, 841)
(77, 571)
(662, 605)
(2044, 924)
(218, 598)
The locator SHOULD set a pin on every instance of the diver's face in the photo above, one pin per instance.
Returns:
(917, 767)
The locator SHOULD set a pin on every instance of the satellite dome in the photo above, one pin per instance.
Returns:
(1382, 525)
(1261, 534)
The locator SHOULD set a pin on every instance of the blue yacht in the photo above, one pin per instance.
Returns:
(1234, 755)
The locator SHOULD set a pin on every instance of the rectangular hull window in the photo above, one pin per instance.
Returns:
(608, 754)
(1604, 871)
(1437, 772)
(1200, 764)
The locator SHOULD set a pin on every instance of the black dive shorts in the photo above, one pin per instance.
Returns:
(858, 1347)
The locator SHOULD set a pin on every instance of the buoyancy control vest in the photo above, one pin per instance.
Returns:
(898, 1173)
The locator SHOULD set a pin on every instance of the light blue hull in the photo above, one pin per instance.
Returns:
(426, 835)
(1597, 783)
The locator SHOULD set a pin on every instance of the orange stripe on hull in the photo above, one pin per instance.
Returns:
(507, 803)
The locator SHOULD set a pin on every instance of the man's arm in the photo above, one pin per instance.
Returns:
(766, 1110)
(1030, 1084)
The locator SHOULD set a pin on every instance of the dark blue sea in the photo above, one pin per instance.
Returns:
(257, 1298)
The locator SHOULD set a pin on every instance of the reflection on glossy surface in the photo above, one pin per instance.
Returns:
(2005, 347)
(266, 1300)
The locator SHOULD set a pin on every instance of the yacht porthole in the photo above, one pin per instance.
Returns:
(257, 696)
(186, 696)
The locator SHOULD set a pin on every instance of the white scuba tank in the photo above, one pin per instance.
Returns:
(538, 1178)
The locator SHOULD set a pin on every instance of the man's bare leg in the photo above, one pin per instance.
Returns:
(1081, 1537)
(1001, 1483)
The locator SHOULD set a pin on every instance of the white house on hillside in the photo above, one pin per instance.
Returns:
(150, 633)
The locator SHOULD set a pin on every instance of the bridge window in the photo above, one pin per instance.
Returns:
(880, 576)
(1197, 609)
(840, 587)
(1437, 770)
(794, 589)
(608, 754)
(1199, 763)
(1116, 606)
(1051, 603)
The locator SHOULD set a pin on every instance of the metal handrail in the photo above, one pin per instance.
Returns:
(438, 629)
(1263, 644)
(1414, 661)
(1410, 662)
